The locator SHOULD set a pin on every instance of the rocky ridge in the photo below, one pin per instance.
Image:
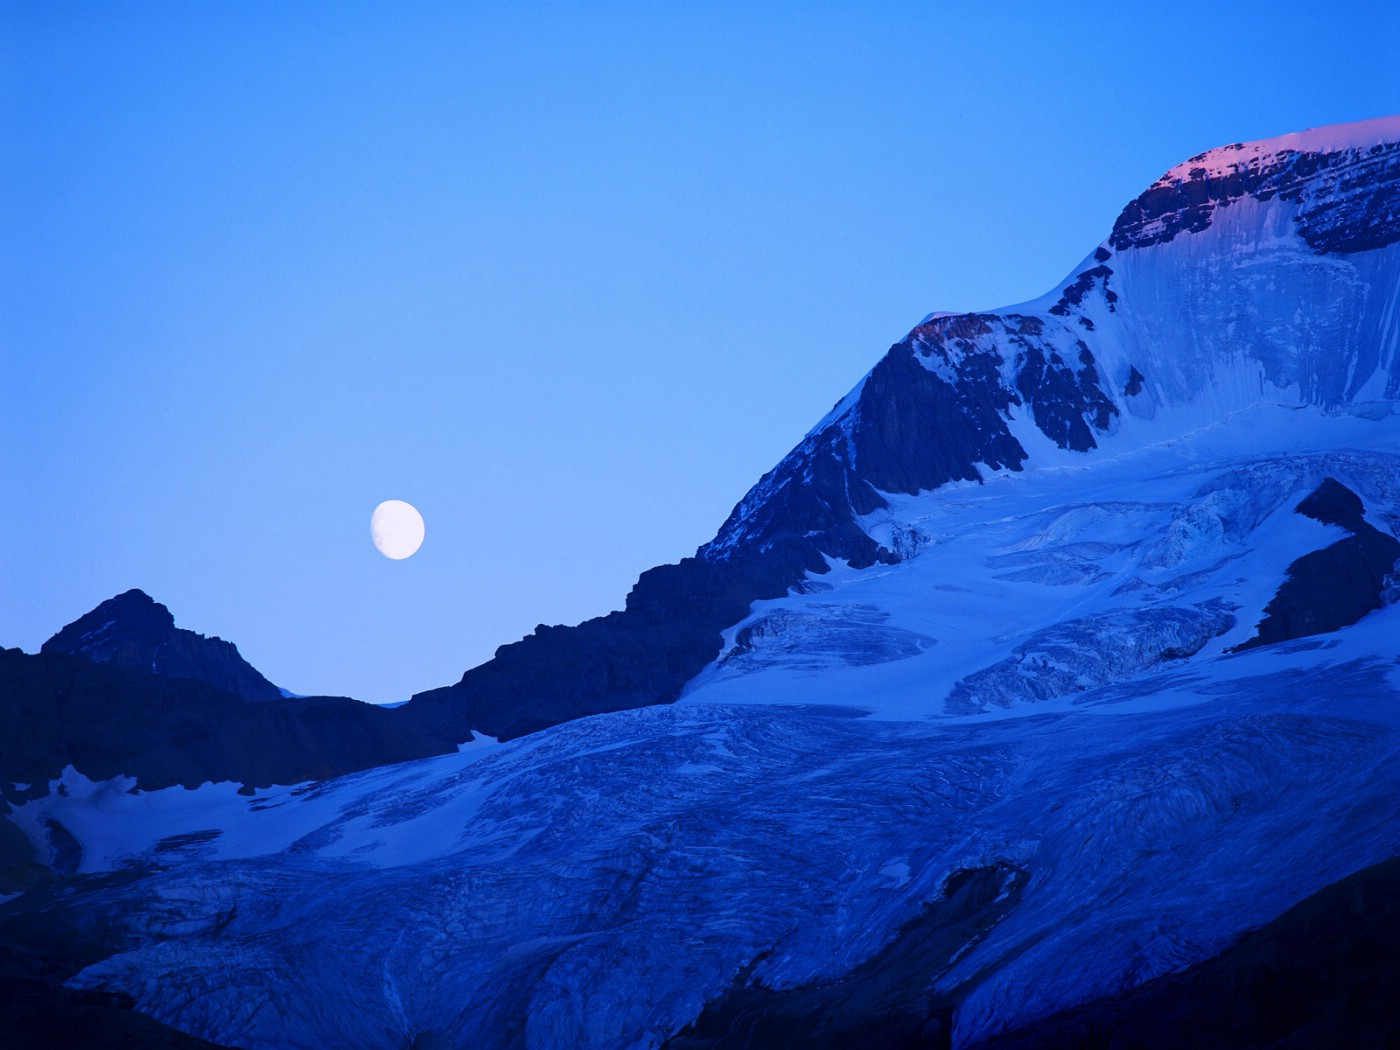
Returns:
(134, 630)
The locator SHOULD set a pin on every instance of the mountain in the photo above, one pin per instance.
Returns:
(58, 711)
(1045, 694)
(122, 691)
(1260, 271)
(134, 630)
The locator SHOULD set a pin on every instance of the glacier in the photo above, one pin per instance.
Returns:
(995, 751)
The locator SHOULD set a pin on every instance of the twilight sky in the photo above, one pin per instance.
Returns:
(567, 277)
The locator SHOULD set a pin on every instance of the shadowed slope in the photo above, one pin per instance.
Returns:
(132, 630)
(58, 710)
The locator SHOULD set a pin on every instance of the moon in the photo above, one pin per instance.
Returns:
(396, 528)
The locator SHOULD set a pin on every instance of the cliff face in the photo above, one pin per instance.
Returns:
(1342, 181)
(133, 630)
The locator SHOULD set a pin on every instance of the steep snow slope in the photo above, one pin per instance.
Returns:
(1010, 586)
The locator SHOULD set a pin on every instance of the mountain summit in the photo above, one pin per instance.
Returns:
(134, 630)
(1251, 272)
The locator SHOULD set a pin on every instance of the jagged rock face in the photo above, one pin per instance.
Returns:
(1348, 200)
(915, 427)
(670, 629)
(133, 630)
(936, 409)
(1335, 586)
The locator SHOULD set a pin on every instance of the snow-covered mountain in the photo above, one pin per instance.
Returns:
(1061, 653)
(1249, 273)
(1259, 272)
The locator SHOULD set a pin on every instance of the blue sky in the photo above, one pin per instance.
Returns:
(569, 278)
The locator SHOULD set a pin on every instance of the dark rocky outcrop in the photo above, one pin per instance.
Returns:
(1075, 292)
(915, 430)
(1323, 974)
(1336, 586)
(1332, 503)
(641, 655)
(58, 710)
(19, 867)
(43, 1015)
(911, 428)
(133, 630)
(1067, 403)
(935, 409)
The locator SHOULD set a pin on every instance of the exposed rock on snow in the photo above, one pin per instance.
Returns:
(1337, 585)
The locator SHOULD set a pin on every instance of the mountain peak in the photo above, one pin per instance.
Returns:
(1340, 179)
(136, 602)
(116, 630)
(136, 594)
(132, 629)
(1326, 139)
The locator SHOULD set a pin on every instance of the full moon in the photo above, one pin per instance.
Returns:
(396, 528)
